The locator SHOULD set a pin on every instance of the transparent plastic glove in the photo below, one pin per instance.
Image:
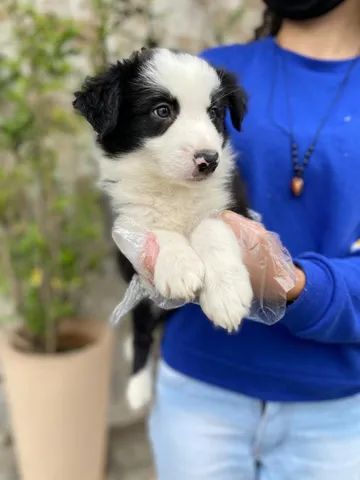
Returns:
(272, 272)
(270, 266)
(141, 249)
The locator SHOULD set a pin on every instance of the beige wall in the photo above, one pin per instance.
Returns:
(185, 24)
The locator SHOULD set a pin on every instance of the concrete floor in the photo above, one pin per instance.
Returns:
(129, 456)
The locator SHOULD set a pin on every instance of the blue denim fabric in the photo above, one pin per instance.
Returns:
(202, 432)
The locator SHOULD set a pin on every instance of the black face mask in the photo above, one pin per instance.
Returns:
(301, 9)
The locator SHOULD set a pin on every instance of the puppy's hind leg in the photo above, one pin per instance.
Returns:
(140, 385)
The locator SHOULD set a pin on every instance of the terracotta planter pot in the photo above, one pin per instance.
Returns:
(58, 406)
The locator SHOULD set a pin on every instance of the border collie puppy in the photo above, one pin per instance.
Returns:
(159, 117)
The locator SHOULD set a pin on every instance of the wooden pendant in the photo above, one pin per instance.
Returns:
(297, 186)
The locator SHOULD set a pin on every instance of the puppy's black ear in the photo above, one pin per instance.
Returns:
(99, 100)
(235, 96)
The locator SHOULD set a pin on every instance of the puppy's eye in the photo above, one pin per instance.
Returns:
(162, 111)
(214, 112)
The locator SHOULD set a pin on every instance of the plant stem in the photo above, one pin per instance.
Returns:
(15, 286)
(100, 57)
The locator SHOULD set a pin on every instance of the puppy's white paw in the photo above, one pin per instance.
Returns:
(139, 389)
(179, 276)
(227, 300)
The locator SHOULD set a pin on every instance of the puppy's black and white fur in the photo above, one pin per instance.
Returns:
(168, 166)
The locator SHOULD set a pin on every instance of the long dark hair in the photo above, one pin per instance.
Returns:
(270, 26)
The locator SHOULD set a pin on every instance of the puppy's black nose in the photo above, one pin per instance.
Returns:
(206, 160)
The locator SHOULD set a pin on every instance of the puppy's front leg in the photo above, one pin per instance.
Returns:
(227, 294)
(179, 272)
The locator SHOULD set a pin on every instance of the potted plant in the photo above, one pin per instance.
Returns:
(56, 367)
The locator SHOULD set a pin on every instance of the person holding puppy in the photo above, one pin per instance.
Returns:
(281, 401)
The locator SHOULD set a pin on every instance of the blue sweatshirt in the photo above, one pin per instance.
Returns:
(313, 353)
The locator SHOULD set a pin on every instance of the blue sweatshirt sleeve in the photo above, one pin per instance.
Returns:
(328, 309)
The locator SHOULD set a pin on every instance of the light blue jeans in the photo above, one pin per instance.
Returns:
(201, 432)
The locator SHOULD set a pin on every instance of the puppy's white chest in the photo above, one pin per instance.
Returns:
(179, 210)
(140, 190)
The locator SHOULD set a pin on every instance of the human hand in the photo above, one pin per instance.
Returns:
(273, 275)
(150, 254)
